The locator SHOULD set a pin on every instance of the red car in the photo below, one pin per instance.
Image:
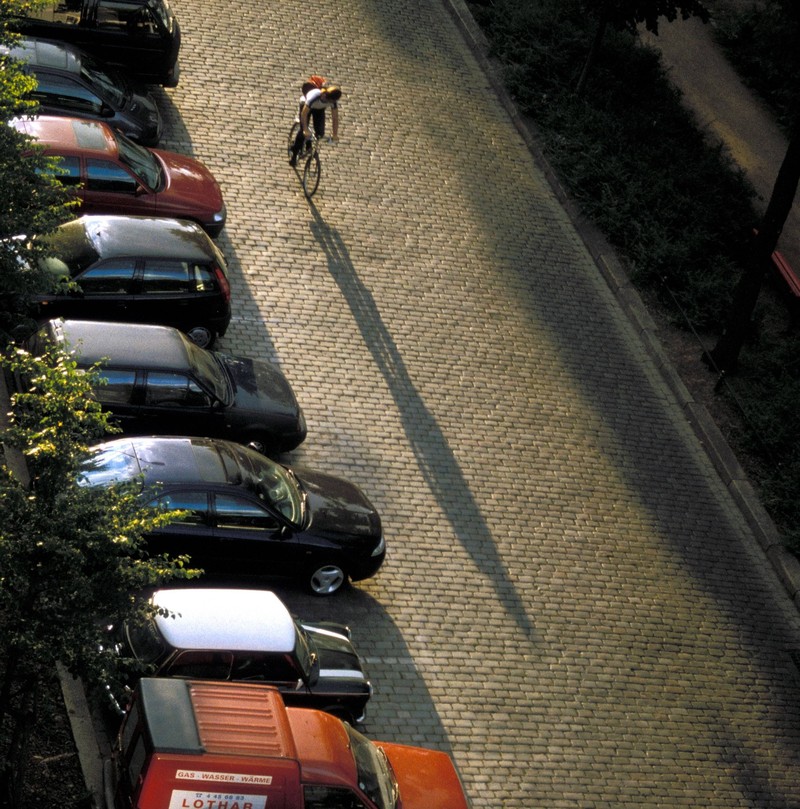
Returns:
(113, 175)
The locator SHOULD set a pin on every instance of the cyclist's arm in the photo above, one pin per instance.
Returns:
(304, 114)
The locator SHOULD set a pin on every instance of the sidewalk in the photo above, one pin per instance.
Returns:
(728, 111)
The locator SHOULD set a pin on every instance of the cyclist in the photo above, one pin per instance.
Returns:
(312, 106)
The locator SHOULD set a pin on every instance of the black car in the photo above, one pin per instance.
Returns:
(158, 382)
(70, 82)
(246, 514)
(237, 634)
(141, 37)
(138, 269)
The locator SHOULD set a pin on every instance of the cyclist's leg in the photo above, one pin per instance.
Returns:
(318, 117)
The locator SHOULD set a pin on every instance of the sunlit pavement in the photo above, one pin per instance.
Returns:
(571, 605)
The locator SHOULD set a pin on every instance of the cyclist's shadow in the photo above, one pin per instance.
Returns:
(436, 461)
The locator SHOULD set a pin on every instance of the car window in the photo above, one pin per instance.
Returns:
(145, 641)
(118, 388)
(195, 503)
(166, 389)
(103, 175)
(104, 83)
(66, 93)
(204, 278)
(265, 667)
(69, 173)
(318, 796)
(236, 512)
(207, 665)
(116, 15)
(165, 277)
(59, 12)
(112, 277)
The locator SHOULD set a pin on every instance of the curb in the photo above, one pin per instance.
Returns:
(785, 564)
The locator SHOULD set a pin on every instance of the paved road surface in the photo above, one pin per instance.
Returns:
(571, 604)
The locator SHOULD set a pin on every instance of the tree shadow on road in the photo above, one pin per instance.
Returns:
(437, 463)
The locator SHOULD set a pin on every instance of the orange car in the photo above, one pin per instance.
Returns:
(193, 744)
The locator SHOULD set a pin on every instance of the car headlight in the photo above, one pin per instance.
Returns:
(379, 548)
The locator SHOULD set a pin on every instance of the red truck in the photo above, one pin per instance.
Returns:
(197, 744)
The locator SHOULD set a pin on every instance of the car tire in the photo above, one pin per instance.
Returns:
(259, 443)
(326, 578)
(201, 336)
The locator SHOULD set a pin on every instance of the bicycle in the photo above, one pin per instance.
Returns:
(312, 170)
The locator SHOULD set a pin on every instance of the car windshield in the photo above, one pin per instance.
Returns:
(111, 87)
(275, 485)
(161, 9)
(145, 641)
(375, 776)
(210, 373)
(142, 162)
(71, 246)
(304, 648)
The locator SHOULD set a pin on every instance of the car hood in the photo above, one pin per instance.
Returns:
(189, 182)
(259, 388)
(427, 778)
(338, 507)
(337, 657)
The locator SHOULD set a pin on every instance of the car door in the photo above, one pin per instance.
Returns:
(252, 537)
(174, 404)
(111, 189)
(102, 292)
(119, 393)
(165, 293)
(193, 534)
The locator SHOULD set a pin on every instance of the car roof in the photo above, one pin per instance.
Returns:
(44, 53)
(63, 135)
(163, 461)
(225, 618)
(124, 344)
(149, 236)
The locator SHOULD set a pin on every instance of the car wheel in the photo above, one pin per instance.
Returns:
(201, 336)
(257, 443)
(326, 579)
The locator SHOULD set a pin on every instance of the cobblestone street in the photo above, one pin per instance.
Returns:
(572, 606)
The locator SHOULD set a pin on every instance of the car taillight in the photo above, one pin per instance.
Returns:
(224, 286)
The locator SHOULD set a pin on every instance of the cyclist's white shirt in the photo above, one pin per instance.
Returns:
(313, 100)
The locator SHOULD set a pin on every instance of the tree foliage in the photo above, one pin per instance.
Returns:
(32, 202)
(72, 557)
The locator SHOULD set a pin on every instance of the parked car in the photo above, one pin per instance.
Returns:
(137, 269)
(229, 634)
(246, 514)
(70, 82)
(197, 744)
(110, 174)
(156, 381)
(141, 37)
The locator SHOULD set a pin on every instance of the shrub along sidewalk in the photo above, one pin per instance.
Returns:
(675, 208)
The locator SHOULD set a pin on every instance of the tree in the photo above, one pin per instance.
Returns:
(725, 355)
(627, 15)
(72, 557)
(32, 202)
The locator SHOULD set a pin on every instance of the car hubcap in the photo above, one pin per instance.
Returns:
(200, 336)
(327, 580)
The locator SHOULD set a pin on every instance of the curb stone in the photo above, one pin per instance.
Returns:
(785, 564)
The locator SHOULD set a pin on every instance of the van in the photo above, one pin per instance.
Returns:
(141, 37)
(192, 744)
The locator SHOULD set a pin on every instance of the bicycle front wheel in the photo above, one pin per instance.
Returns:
(311, 174)
(293, 132)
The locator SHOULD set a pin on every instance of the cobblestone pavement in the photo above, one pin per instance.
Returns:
(571, 605)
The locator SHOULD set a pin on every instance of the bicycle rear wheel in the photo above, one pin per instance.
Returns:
(311, 174)
(292, 135)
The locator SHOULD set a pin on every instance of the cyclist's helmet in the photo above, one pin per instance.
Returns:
(332, 92)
